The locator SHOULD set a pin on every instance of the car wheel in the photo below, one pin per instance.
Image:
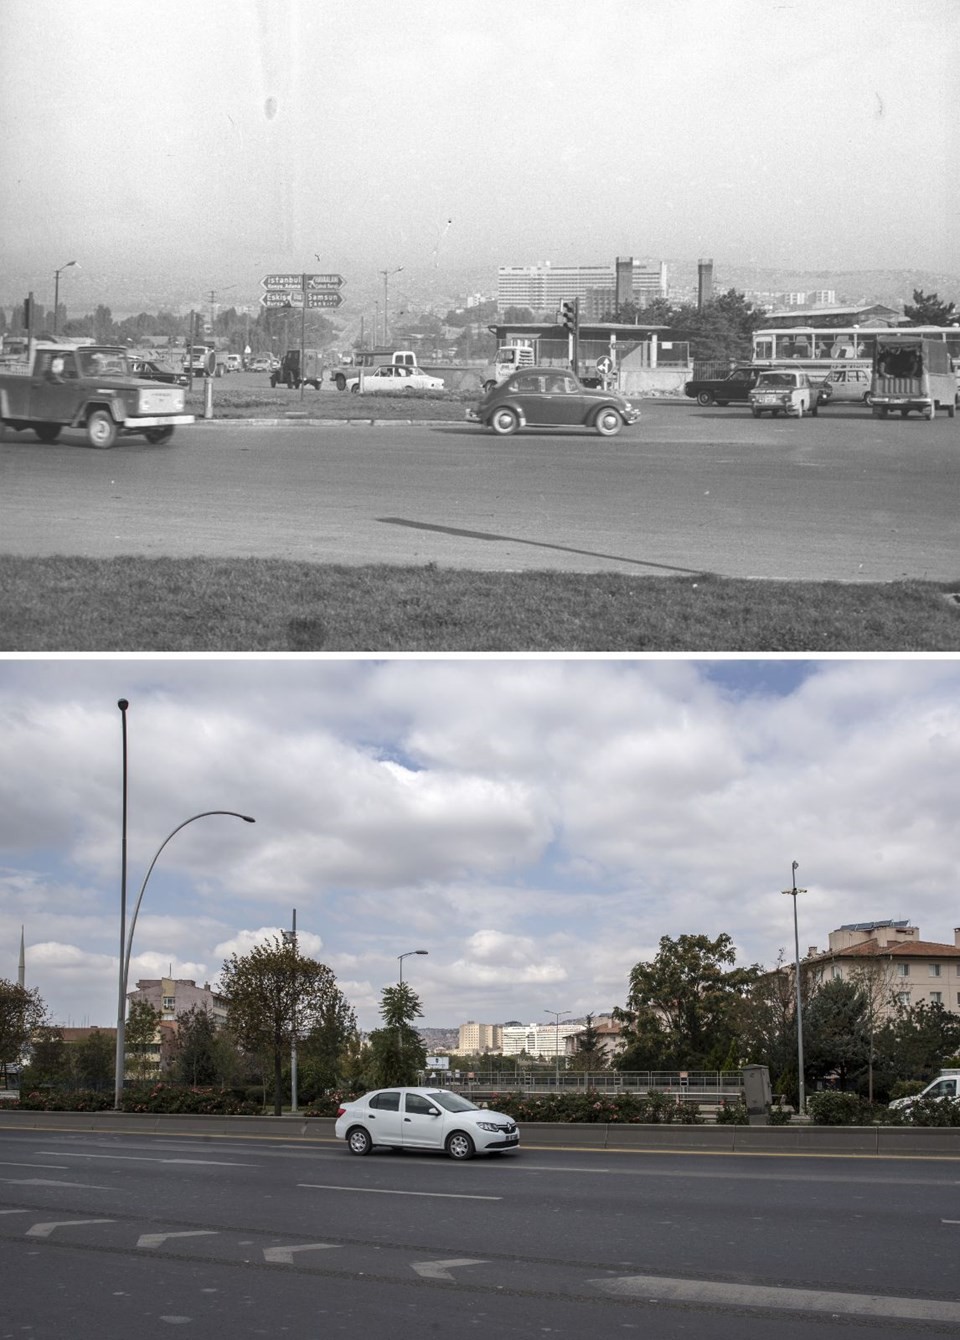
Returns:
(705, 398)
(608, 423)
(799, 409)
(460, 1146)
(355, 388)
(930, 412)
(101, 429)
(358, 1141)
(814, 411)
(504, 421)
(156, 435)
(47, 432)
(488, 386)
(951, 411)
(341, 381)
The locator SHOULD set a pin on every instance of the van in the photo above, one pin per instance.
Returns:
(508, 359)
(910, 373)
(946, 1085)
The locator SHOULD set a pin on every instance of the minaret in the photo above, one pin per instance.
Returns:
(22, 965)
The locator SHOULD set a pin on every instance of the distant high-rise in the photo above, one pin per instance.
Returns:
(704, 281)
(543, 288)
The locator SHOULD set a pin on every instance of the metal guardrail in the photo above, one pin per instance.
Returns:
(707, 1085)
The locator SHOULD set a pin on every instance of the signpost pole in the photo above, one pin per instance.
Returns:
(303, 340)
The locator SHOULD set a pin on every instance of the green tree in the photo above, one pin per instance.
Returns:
(197, 1058)
(94, 1060)
(917, 1040)
(49, 1059)
(270, 991)
(687, 1008)
(928, 310)
(140, 1038)
(395, 1052)
(590, 1055)
(835, 1032)
(326, 1050)
(103, 328)
(21, 1012)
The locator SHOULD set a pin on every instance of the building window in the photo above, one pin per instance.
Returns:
(836, 973)
(169, 1002)
(934, 969)
(903, 969)
(936, 997)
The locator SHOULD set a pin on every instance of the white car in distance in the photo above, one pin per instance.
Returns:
(424, 1119)
(395, 377)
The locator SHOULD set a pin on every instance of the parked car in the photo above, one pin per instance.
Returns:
(234, 363)
(946, 1085)
(846, 386)
(423, 1118)
(732, 389)
(397, 378)
(261, 364)
(147, 369)
(783, 391)
(545, 397)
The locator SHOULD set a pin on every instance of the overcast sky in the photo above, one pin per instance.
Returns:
(537, 826)
(230, 138)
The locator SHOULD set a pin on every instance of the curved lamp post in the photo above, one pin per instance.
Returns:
(387, 276)
(409, 954)
(792, 893)
(557, 1014)
(128, 946)
(56, 293)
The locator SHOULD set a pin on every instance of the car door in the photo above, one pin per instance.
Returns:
(422, 1122)
(563, 400)
(526, 391)
(383, 1118)
(54, 386)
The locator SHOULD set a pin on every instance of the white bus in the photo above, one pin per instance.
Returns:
(820, 349)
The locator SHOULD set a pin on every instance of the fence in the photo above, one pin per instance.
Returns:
(708, 1086)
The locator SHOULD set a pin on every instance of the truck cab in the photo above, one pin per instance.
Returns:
(946, 1085)
(508, 359)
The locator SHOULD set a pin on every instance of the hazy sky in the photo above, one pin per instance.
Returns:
(537, 826)
(229, 138)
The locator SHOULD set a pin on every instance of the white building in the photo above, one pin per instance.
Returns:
(537, 1039)
(477, 1038)
(543, 288)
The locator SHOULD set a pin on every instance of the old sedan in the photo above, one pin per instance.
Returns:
(395, 377)
(544, 397)
(415, 1118)
(783, 391)
(147, 369)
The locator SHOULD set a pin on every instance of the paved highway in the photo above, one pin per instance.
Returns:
(103, 1237)
(688, 490)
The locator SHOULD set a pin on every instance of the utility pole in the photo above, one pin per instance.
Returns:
(290, 938)
(792, 893)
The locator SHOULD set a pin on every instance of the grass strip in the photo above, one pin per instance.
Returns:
(272, 605)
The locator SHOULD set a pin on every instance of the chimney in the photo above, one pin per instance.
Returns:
(704, 282)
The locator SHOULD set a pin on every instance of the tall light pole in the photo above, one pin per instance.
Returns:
(556, 1052)
(126, 941)
(56, 293)
(792, 893)
(409, 954)
(386, 279)
(290, 938)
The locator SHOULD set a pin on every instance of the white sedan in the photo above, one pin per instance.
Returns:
(395, 377)
(414, 1118)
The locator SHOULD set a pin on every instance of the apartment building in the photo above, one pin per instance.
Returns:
(475, 1039)
(171, 996)
(543, 288)
(538, 1039)
(909, 971)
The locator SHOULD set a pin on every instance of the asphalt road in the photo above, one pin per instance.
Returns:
(687, 490)
(103, 1237)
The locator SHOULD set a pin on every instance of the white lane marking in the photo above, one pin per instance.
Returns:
(57, 1167)
(439, 1270)
(950, 1221)
(145, 1158)
(44, 1230)
(782, 1300)
(46, 1181)
(157, 1239)
(384, 1191)
(284, 1255)
(14, 1211)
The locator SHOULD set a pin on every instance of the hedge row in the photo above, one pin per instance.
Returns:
(148, 1098)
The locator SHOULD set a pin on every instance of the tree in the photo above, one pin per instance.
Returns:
(686, 1008)
(197, 1058)
(271, 991)
(94, 1060)
(140, 1038)
(914, 1043)
(49, 1058)
(103, 327)
(396, 1053)
(835, 1032)
(590, 1055)
(330, 1045)
(21, 1011)
(928, 310)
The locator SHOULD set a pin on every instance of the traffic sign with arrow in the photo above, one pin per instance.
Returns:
(324, 281)
(324, 298)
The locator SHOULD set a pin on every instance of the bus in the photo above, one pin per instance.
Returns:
(820, 349)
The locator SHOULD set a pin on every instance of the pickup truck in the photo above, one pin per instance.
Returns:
(91, 388)
(733, 388)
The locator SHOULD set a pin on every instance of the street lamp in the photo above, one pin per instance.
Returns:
(56, 293)
(126, 940)
(792, 893)
(290, 938)
(556, 1053)
(386, 279)
(409, 954)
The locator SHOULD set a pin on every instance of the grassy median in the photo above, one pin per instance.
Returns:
(266, 605)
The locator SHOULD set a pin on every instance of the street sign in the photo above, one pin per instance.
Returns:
(324, 281)
(281, 298)
(324, 298)
(605, 364)
(281, 281)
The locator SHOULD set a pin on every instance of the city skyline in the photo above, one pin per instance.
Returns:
(537, 848)
(370, 145)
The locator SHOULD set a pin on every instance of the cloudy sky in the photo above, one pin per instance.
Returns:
(233, 137)
(537, 826)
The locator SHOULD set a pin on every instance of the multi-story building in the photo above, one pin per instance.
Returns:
(537, 1039)
(600, 288)
(171, 996)
(906, 970)
(477, 1038)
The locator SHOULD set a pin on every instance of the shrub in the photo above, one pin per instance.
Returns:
(780, 1116)
(832, 1108)
(62, 1100)
(732, 1113)
(927, 1112)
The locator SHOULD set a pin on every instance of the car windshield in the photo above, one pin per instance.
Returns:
(452, 1101)
(778, 379)
(96, 363)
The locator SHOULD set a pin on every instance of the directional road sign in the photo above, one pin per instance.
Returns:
(324, 281)
(324, 298)
(281, 298)
(281, 281)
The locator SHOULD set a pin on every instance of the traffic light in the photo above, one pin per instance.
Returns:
(569, 314)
